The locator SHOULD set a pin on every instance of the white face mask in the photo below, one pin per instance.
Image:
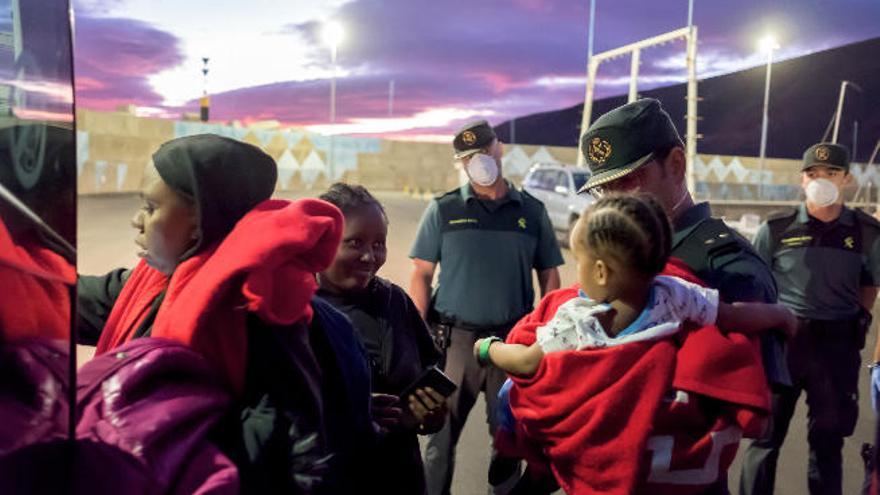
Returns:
(822, 192)
(482, 169)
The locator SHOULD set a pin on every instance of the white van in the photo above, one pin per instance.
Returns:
(556, 186)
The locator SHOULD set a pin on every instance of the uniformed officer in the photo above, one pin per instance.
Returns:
(826, 260)
(636, 147)
(487, 237)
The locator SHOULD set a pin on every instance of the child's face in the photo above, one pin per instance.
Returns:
(361, 253)
(166, 224)
(592, 272)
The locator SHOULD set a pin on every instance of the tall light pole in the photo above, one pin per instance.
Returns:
(592, 67)
(767, 45)
(333, 36)
(204, 101)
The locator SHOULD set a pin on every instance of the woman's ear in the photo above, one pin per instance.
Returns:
(601, 273)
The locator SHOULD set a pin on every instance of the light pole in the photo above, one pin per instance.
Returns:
(767, 45)
(204, 101)
(333, 36)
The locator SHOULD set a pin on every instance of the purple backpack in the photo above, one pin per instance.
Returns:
(33, 394)
(143, 413)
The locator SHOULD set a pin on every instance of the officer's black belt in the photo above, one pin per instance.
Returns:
(501, 329)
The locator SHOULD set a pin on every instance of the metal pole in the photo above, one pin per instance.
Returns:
(513, 130)
(390, 97)
(204, 102)
(691, 137)
(634, 76)
(592, 29)
(762, 155)
(690, 13)
(874, 153)
(591, 75)
(205, 76)
(839, 110)
(330, 160)
(588, 107)
(691, 146)
(855, 148)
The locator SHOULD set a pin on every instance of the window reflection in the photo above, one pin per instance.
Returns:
(37, 235)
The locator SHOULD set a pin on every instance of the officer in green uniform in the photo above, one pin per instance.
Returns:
(487, 238)
(826, 260)
(636, 147)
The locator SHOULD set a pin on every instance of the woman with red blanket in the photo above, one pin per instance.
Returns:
(229, 273)
(592, 366)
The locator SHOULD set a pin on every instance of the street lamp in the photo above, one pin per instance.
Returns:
(333, 35)
(767, 44)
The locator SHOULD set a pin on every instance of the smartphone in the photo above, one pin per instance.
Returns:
(434, 378)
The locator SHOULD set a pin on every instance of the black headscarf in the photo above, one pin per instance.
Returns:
(226, 178)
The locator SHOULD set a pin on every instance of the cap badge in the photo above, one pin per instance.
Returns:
(822, 153)
(469, 138)
(849, 242)
(599, 150)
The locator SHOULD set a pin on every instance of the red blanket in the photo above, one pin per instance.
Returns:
(36, 282)
(266, 266)
(592, 413)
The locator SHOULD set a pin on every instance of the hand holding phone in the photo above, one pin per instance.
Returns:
(431, 377)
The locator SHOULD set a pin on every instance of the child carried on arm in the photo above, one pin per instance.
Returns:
(622, 243)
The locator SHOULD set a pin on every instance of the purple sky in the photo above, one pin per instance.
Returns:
(451, 60)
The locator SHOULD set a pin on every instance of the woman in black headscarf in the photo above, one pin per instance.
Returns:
(230, 273)
(193, 193)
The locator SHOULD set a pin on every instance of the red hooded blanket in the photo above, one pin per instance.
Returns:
(629, 418)
(266, 265)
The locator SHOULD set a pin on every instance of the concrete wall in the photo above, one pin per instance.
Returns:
(114, 147)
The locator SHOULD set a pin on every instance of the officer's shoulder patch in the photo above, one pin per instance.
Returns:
(713, 228)
(781, 215)
(710, 240)
(527, 194)
(448, 194)
(531, 199)
(866, 219)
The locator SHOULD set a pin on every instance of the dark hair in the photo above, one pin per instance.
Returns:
(350, 198)
(630, 227)
(662, 153)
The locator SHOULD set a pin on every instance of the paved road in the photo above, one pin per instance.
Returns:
(105, 242)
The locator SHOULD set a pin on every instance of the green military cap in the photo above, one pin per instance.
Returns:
(625, 138)
(471, 138)
(827, 154)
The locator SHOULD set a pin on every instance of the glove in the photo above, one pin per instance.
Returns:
(875, 389)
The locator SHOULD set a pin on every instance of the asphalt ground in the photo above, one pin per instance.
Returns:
(105, 241)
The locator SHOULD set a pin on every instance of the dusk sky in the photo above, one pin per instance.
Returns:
(450, 60)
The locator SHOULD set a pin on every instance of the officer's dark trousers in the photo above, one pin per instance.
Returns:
(464, 370)
(824, 361)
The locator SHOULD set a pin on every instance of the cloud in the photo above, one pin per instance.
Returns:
(115, 57)
(96, 7)
(503, 59)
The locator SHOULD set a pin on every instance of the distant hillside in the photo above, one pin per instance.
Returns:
(803, 98)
